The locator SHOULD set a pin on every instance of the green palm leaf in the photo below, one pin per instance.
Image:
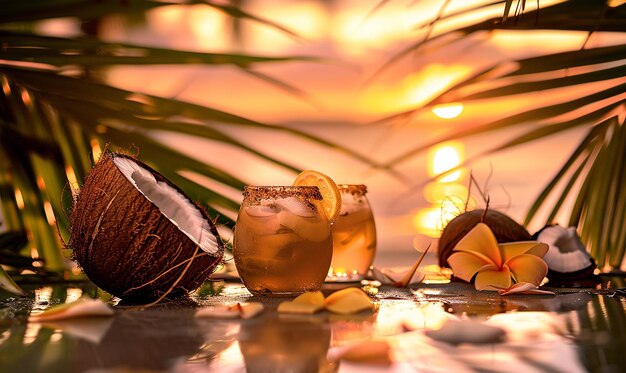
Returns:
(90, 52)
(10, 243)
(593, 175)
(20, 11)
(7, 283)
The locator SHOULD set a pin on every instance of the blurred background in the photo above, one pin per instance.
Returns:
(407, 97)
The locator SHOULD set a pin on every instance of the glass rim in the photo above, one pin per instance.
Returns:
(353, 188)
(281, 191)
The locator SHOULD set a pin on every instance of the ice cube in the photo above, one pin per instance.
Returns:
(350, 206)
(258, 220)
(309, 228)
(302, 219)
(356, 216)
(356, 243)
(343, 237)
(262, 211)
(296, 207)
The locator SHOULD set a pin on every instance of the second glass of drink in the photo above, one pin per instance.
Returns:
(354, 236)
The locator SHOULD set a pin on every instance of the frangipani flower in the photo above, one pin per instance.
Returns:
(497, 266)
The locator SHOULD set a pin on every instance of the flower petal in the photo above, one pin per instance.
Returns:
(221, 311)
(524, 288)
(249, 310)
(348, 301)
(465, 265)
(83, 307)
(301, 308)
(245, 310)
(493, 279)
(528, 268)
(510, 250)
(481, 241)
(393, 276)
(307, 303)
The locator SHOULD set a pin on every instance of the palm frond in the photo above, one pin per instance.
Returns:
(238, 12)
(534, 74)
(90, 52)
(10, 245)
(580, 155)
(7, 283)
(86, 10)
(570, 15)
(593, 175)
(23, 11)
(538, 115)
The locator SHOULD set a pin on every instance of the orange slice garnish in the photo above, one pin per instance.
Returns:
(331, 197)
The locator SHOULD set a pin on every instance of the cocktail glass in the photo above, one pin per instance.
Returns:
(282, 243)
(354, 236)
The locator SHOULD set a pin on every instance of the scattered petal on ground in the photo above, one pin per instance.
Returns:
(238, 310)
(83, 307)
(306, 303)
(348, 301)
(524, 288)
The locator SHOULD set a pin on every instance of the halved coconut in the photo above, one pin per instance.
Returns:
(567, 257)
(503, 227)
(137, 236)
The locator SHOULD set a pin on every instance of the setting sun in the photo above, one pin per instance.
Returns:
(431, 220)
(448, 111)
(444, 158)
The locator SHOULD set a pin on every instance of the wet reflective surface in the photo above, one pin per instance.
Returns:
(576, 330)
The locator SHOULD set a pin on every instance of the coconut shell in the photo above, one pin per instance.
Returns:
(126, 246)
(574, 266)
(504, 228)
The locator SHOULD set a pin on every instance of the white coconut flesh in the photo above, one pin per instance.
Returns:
(566, 253)
(171, 203)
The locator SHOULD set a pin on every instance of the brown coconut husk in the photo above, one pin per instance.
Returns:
(504, 228)
(127, 247)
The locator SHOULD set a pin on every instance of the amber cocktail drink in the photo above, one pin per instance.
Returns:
(354, 236)
(282, 244)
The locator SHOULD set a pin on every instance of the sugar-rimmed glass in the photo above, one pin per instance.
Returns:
(354, 236)
(282, 243)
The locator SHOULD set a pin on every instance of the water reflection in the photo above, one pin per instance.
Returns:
(496, 304)
(396, 317)
(148, 340)
(92, 330)
(569, 332)
(293, 344)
